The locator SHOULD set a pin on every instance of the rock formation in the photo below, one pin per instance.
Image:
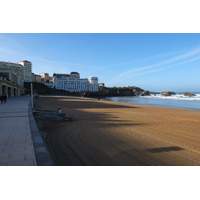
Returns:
(189, 94)
(114, 91)
(145, 93)
(169, 93)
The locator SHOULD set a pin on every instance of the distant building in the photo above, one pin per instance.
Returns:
(61, 75)
(45, 78)
(71, 75)
(101, 84)
(93, 84)
(37, 78)
(74, 75)
(101, 87)
(73, 83)
(27, 70)
(11, 79)
(13, 76)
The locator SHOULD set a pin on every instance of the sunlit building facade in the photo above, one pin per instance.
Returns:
(27, 70)
(71, 84)
(11, 79)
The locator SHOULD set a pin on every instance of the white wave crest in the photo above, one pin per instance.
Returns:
(175, 97)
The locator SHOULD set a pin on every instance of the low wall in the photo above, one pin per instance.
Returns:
(51, 114)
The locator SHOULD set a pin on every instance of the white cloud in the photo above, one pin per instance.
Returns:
(136, 72)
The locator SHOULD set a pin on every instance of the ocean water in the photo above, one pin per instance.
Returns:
(174, 101)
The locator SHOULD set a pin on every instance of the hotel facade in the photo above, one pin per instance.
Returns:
(73, 83)
(13, 76)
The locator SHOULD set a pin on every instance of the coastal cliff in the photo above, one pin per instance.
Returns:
(114, 91)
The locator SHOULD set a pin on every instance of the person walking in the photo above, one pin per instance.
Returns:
(1, 98)
(4, 98)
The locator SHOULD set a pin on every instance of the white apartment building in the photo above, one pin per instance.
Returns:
(75, 84)
(93, 84)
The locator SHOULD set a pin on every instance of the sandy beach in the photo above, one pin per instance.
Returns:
(106, 133)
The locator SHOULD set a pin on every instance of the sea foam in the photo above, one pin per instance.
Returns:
(175, 97)
(174, 101)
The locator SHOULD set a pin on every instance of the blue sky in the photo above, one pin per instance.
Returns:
(155, 62)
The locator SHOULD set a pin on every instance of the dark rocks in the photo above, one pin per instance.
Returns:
(145, 93)
(169, 93)
(188, 94)
(114, 91)
(137, 90)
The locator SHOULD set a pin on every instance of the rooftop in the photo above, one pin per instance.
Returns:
(12, 63)
(25, 61)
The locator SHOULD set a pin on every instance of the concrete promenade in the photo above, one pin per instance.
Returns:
(16, 139)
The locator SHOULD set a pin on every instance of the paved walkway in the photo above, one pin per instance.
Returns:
(16, 146)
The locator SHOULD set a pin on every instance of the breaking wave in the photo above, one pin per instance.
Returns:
(174, 101)
(175, 97)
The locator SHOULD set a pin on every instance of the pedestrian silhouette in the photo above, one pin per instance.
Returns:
(4, 98)
(1, 98)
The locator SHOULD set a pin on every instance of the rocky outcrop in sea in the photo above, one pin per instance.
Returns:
(145, 93)
(169, 93)
(189, 94)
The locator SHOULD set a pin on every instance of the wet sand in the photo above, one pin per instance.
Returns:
(106, 133)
